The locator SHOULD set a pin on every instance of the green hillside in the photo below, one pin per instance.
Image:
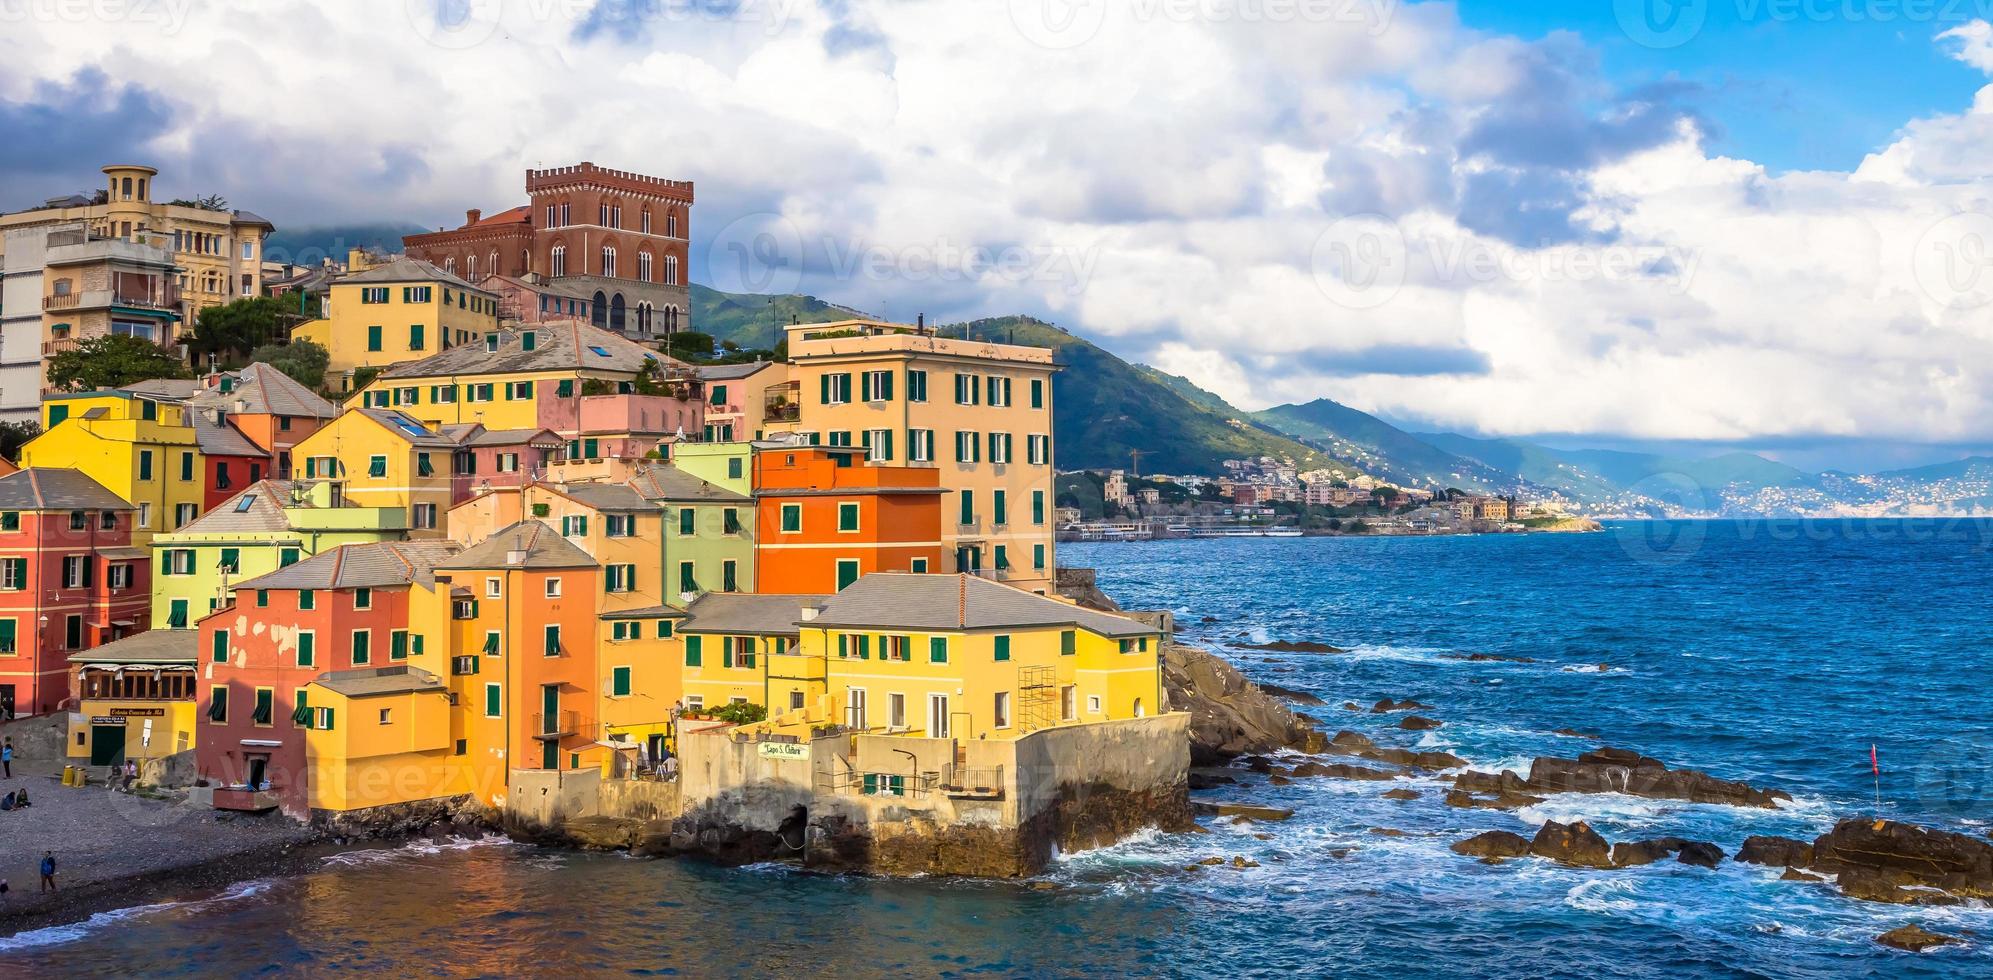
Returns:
(1380, 447)
(757, 321)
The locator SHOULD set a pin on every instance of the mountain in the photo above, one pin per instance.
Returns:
(1103, 407)
(1383, 449)
(306, 246)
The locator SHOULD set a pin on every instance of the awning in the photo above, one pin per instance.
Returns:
(124, 622)
(263, 743)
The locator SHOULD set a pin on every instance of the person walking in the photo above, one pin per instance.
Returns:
(7, 757)
(48, 871)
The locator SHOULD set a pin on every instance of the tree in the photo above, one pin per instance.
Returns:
(112, 361)
(14, 435)
(690, 344)
(235, 329)
(305, 362)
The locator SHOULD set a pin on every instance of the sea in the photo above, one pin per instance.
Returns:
(1773, 652)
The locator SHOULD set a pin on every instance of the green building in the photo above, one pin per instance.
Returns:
(708, 528)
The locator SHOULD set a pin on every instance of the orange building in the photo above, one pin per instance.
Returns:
(825, 516)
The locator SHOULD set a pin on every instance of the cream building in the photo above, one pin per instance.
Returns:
(981, 413)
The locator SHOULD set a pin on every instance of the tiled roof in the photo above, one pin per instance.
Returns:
(606, 496)
(259, 507)
(744, 612)
(404, 269)
(409, 427)
(534, 543)
(731, 372)
(260, 389)
(160, 646)
(646, 612)
(566, 346)
(361, 682)
(220, 438)
(46, 488)
(168, 389)
(663, 481)
(375, 565)
(509, 216)
(901, 600)
(510, 437)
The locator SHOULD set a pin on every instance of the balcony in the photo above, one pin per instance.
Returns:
(783, 402)
(164, 297)
(556, 725)
(244, 800)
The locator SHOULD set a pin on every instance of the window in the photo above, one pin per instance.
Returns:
(1040, 449)
(1000, 447)
(999, 508)
(179, 561)
(875, 386)
(415, 339)
(387, 715)
(377, 466)
(374, 338)
(664, 629)
(307, 599)
(920, 445)
(916, 386)
(968, 389)
(363, 598)
(494, 700)
(423, 516)
(363, 641)
(968, 447)
(847, 572)
(687, 521)
(792, 518)
(398, 645)
(879, 442)
(619, 682)
(918, 566)
(374, 294)
(574, 526)
(968, 507)
(218, 705)
(1038, 557)
(491, 643)
(687, 581)
(120, 576)
(265, 707)
(553, 587)
(835, 388)
(183, 514)
(145, 515)
(1002, 709)
(491, 588)
(1093, 704)
(144, 463)
(1069, 709)
(307, 648)
(553, 638)
(847, 516)
(78, 520)
(218, 647)
(694, 651)
(1002, 645)
(937, 649)
(1037, 392)
(75, 571)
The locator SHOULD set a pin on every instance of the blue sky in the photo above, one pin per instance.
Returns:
(1793, 92)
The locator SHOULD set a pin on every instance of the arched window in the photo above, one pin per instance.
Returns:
(643, 266)
(609, 261)
(616, 215)
(450, 265)
(494, 262)
(616, 313)
(671, 270)
(645, 218)
(470, 266)
(127, 188)
(671, 224)
(598, 311)
(559, 261)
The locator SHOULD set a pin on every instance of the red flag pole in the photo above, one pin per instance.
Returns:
(1875, 768)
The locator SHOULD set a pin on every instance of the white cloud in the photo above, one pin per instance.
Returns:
(1170, 177)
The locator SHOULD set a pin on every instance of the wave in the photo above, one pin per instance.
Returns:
(1602, 895)
(75, 931)
(415, 848)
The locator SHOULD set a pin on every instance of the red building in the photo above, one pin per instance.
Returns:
(69, 580)
(824, 517)
(490, 458)
(615, 238)
(269, 409)
(342, 609)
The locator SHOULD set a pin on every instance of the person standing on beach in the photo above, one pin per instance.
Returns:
(7, 757)
(48, 871)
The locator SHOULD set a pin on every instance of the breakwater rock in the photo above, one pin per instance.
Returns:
(1229, 715)
(1619, 771)
(1887, 861)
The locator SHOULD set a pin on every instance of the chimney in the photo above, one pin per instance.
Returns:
(471, 216)
(810, 613)
(920, 322)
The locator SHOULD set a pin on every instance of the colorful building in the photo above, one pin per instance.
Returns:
(268, 407)
(134, 699)
(401, 310)
(100, 286)
(528, 378)
(346, 609)
(70, 580)
(379, 458)
(729, 644)
(962, 657)
(979, 413)
(269, 525)
(139, 446)
(492, 458)
(741, 399)
(618, 238)
(708, 533)
(825, 517)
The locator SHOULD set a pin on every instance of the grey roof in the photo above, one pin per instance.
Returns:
(375, 565)
(606, 496)
(731, 372)
(645, 612)
(565, 346)
(171, 389)
(361, 682)
(536, 544)
(404, 269)
(267, 500)
(744, 612)
(510, 437)
(663, 481)
(243, 217)
(220, 438)
(904, 600)
(409, 427)
(263, 390)
(159, 646)
(46, 488)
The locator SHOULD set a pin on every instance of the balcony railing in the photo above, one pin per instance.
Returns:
(556, 724)
(166, 297)
(783, 402)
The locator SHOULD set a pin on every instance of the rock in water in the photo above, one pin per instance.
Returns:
(1387, 706)
(1289, 694)
(1493, 844)
(1229, 715)
(1575, 844)
(1416, 723)
(1634, 853)
(1702, 854)
(1245, 810)
(1887, 861)
(1775, 852)
(1401, 794)
(1625, 771)
(1291, 646)
(1914, 938)
(1343, 770)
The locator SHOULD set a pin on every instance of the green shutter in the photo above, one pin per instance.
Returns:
(968, 506)
(493, 700)
(362, 641)
(687, 520)
(398, 645)
(694, 651)
(1068, 643)
(221, 646)
(1003, 648)
(886, 387)
(937, 649)
(307, 649)
(7, 635)
(823, 385)
(620, 682)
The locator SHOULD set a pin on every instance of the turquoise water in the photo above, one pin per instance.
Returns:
(1775, 653)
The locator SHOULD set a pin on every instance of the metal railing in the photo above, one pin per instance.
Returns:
(556, 724)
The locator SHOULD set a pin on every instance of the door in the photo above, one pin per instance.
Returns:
(854, 708)
(896, 711)
(937, 716)
(107, 745)
(6, 700)
(655, 748)
(847, 573)
(259, 766)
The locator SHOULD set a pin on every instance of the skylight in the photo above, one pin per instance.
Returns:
(248, 500)
(599, 352)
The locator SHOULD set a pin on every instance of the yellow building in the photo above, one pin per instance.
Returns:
(141, 448)
(979, 412)
(377, 458)
(532, 377)
(400, 310)
(135, 699)
(958, 656)
(386, 740)
(729, 640)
